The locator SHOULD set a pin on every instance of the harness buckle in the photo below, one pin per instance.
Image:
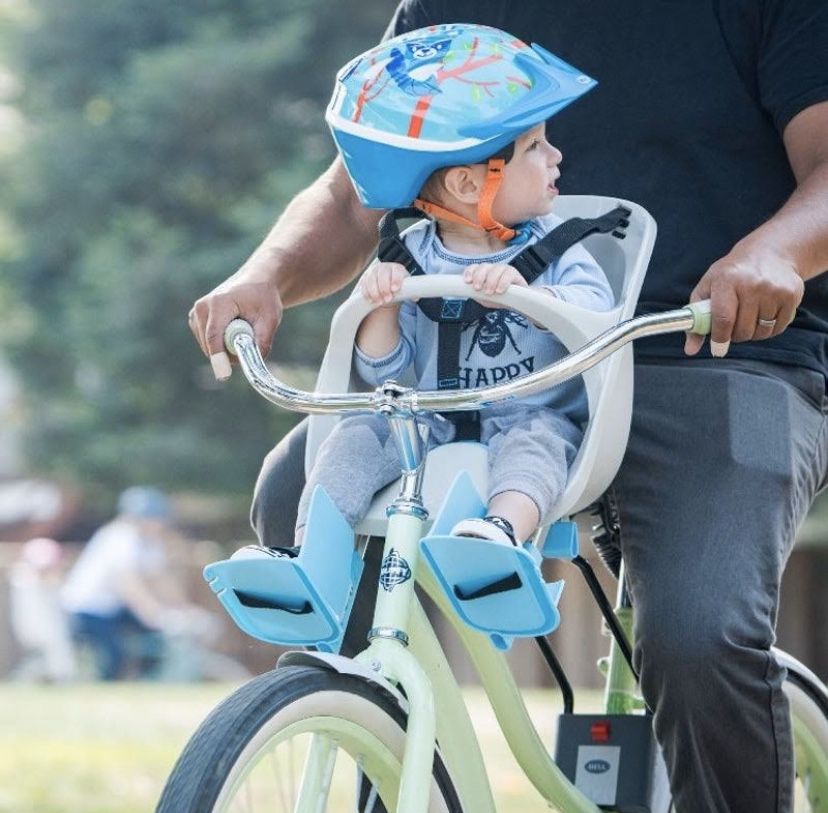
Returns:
(615, 222)
(452, 309)
(466, 423)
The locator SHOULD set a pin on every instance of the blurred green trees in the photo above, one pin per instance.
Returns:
(161, 141)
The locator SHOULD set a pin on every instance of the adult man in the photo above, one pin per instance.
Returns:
(715, 118)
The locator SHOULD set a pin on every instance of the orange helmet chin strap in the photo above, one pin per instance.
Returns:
(494, 175)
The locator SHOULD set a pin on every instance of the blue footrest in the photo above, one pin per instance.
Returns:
(303, 601)
(495, 588)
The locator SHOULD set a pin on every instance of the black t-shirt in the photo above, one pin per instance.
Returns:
(686, 120)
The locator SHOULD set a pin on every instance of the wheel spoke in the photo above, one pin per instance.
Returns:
(322, 785)
(292, 772)
(287, 798)
(367, 793)
(315, 784)
(248, 798)
(371, 803)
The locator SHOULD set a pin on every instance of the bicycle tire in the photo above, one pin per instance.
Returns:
(233, 739)
(809, 711)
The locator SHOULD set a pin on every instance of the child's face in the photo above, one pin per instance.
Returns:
(528, 186)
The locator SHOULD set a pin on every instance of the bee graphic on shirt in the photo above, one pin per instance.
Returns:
(492, 331)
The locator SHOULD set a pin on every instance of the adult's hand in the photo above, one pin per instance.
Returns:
(762, 277)
(753, 293)
(257, 302)
(320, 243)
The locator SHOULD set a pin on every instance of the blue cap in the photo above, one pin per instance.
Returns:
(144, 502)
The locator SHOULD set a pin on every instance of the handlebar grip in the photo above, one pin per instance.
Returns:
(236, 328)
(701, 317)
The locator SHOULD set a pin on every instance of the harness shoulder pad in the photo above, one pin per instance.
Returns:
(535, 259)
(392, 248)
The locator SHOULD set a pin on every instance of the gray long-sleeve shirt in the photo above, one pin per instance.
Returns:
(502, 345)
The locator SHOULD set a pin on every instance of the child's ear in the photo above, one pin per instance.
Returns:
(464, 183)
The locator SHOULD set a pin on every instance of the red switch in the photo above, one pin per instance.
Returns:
(600, 731)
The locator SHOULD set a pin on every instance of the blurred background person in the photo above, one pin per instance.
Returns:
(38, 622)
(121, 595)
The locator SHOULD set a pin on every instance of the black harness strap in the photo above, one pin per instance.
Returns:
(531, 262)
(453, 315)
(535, 259)
(392, 249)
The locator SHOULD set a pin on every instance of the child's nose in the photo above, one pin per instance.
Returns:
(555, 156)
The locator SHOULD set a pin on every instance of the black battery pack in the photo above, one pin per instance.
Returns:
(613, 759)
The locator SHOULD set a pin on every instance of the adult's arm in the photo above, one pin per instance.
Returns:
(763, 276)
(319, 244)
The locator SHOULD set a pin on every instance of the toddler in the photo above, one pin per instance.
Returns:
(489, 193)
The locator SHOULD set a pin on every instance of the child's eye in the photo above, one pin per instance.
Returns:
(533, 144)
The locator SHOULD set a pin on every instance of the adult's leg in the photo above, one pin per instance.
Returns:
(723, 461)
(278, 489)
(101, 633)
(145, 645)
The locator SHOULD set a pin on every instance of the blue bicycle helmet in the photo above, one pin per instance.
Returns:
(446, 95)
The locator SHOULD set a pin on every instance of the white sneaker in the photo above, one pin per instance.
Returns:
(261, 552)
(495, 529)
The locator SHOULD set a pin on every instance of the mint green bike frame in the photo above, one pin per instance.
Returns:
(403, 647)
(436, 708)
(404, 650)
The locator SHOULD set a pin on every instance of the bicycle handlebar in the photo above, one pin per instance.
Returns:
(394, 398)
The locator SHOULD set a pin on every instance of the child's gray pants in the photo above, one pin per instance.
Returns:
(530, 451)
(724, 459)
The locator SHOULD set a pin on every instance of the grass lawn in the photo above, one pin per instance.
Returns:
(93, 748)
(108, 748)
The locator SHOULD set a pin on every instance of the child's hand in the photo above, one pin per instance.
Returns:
(491, 278)
(381, 281)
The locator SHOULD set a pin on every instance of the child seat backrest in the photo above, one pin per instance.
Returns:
(608, 385)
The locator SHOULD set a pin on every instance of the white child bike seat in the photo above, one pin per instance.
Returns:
(609, 385)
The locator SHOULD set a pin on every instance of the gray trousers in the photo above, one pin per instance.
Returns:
(724, 459)
(530, 452)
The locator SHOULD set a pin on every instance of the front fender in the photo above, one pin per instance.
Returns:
(801, 674)
(345, 666)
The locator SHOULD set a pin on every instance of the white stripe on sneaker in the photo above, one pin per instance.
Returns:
(481, 529)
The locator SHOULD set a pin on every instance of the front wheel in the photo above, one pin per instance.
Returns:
(809, 713)
(299, 740)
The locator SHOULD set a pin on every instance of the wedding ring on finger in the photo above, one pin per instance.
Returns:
(768, 323)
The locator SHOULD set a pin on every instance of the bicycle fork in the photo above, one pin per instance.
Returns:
(387, 653)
